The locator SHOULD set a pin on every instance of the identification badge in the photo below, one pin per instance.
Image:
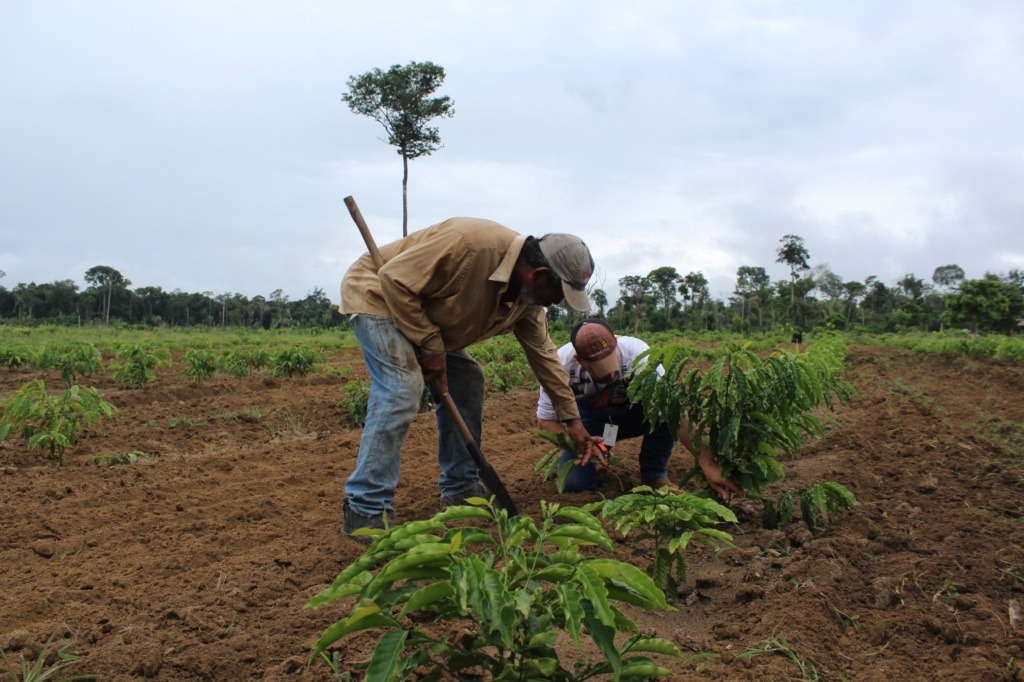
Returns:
(611, 431)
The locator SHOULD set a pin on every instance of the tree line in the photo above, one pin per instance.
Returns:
(108, 298)
(662, 300)
(813, 297)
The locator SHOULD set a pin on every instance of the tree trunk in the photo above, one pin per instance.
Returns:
(405, 195)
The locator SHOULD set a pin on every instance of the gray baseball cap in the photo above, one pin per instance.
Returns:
(571, 261)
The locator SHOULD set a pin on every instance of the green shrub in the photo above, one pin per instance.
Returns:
(355, 400)
(52, 422)
(292, 362)
(238, 362)
(671, 520)
(199, 364)
(135, 364)
(816, 503)
(519, 587)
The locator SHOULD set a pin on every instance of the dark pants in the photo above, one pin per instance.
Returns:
(655, 449)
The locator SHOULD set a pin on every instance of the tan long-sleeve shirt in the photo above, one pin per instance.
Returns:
(442, 287)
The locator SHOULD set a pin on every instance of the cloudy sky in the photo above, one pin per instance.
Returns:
(204, 146)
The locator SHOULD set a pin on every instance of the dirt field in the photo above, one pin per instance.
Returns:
(197, 565)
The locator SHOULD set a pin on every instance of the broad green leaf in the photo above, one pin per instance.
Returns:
(595, 592)
(572, 609)
(384, 661)
(631, 578)
(364, 616)
(427, 596)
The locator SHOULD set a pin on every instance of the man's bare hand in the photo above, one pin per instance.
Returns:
(712, 470)
(435, 372)
(586, 445)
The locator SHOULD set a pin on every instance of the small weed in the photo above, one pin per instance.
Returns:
(288, 428)
(179, 421)
(123, 458)
(779, 645)
(948, 591)
(37, 671)
(250, 415)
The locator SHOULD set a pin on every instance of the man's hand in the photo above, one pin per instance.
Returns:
(435, 372)
(725, 487)
(586, 445)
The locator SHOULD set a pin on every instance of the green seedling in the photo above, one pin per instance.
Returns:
(199, 364)
(135, 364)
(671, 521)
(53, 422)
(551, 462)
(503, 598)
(38, 671)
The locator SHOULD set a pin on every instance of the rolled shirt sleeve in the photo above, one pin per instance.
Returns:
(541, 353)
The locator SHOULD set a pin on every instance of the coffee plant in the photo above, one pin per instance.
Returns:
(551, 462)
(199, 364)
(355, 400)
(671, 521)
(72, 360)
(816, 503)
(294, 362)
(136, 364)
(513, 592)
(747, 409)
(52, 422)
(16, 355)
(238, 362)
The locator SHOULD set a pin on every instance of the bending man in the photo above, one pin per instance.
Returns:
(442, 289)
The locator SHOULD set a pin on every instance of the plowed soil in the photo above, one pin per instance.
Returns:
(196, 564)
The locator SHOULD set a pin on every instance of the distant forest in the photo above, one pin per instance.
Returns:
(662, 300)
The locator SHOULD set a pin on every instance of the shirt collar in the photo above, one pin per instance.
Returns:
(503, 273)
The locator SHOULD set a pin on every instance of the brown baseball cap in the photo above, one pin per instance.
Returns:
(596, 345)
(571, 261)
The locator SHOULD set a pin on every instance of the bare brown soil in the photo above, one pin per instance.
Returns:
(197, 565)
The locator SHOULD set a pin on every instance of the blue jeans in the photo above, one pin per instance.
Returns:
(655, 449)
(395, 392)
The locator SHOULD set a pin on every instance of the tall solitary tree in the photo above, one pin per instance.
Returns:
(400, 100)
(794, 254)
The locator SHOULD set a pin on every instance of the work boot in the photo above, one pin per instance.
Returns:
(478, 489)
(353, 521)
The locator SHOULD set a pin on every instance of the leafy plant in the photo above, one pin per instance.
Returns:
(746, 409)
(199, 364)
(135, 364)
(73, 360)
(551, 461)
(37, 671)
(292, 362)
(672, 521)
(355, 400)
(508, 375)
(179, 421)
(15, 355)
(816, 503)
(526, 585)
(53, 422)
(238, 362)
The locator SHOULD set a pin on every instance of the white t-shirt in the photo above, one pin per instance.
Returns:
(582, 383)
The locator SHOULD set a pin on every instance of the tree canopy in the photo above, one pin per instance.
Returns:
(400, 100)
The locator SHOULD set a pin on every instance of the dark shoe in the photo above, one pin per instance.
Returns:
(354, 521)
(478, 489)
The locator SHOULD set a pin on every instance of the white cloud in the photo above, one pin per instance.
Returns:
(204, 146)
